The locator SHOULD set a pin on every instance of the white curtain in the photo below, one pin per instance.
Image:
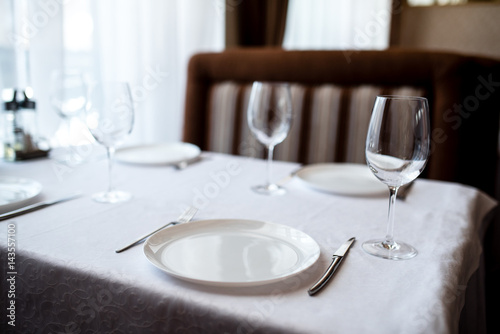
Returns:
(145, 42)
(149, 43)
(338, 24)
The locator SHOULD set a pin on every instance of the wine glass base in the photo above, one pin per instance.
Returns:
(270, 189)
(397, 251)
(115, 196)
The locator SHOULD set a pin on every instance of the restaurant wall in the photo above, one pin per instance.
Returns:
(471, 28)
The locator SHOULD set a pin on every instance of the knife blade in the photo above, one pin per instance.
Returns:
(338, 256)
(37, 206)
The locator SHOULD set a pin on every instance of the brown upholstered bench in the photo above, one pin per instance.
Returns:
(333, 93)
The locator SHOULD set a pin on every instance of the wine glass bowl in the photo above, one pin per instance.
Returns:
(68, 96)
(269, 118)
(110, 118)
(68, 93)
(397, 148)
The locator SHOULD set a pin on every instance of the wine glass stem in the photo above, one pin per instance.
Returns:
(111, 153)
(270, 151)
(389, 238)
(67, 132)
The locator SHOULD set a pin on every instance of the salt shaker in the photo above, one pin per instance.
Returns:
(13, 141)
(20, 140)
(27, 115)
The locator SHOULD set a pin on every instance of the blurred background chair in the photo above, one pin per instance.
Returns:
(333, 93)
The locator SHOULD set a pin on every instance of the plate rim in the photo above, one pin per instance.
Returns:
(12, 205)
(314, 256)
(159, 163)
(360, 166)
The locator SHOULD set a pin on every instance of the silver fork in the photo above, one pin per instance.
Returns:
(183, 218)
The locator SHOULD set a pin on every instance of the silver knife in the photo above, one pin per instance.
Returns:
(37, 206)
(338, 256)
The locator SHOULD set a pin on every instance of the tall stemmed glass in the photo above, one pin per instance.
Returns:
(397, 148)
(110, 117)
(68, 93)
(269, 117)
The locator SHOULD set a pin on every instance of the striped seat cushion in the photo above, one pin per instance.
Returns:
(329, 122)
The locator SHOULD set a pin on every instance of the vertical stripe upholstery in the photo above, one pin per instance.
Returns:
(223, 102)
(329, 122)
(249, 146)
(288, 150)
(358, 115)
(325, 110)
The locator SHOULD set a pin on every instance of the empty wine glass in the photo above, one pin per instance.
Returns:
(269, 116)
(110, 117)
(68, 93)
(397, 148)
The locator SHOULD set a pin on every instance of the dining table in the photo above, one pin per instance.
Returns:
(60, 272)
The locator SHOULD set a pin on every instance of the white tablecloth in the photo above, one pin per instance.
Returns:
(70, 280)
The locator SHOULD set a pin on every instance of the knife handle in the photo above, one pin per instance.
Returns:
(326, 276)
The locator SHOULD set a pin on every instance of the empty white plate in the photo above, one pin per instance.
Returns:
(158, 154)
(16, 192)
(231, 252)
(343, 179)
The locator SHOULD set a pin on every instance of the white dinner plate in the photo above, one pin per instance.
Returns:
(16, 191)
(158, 154)
(342, 178)
(231, 252)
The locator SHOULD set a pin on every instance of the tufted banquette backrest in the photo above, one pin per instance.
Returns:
(333, 93)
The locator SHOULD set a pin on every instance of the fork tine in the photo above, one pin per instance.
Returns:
(188, 214)
(192, 210)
